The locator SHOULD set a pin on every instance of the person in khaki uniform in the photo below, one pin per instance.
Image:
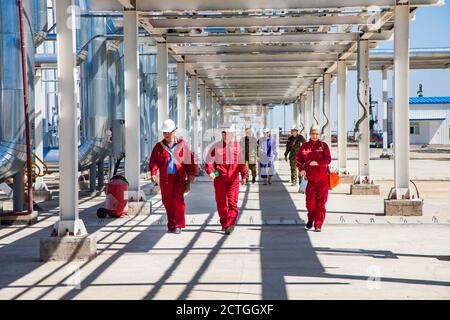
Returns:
(249, 148)
(293, 144)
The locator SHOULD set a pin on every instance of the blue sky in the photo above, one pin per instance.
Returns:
(430, 29)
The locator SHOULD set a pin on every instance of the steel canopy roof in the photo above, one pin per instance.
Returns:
(265, 51)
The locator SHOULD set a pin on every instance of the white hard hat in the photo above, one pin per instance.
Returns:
(266, 130)
(228, 127)
(294, 127)
(168, 126)
(315, 127)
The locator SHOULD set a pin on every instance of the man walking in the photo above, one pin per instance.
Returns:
(293, 144)
(224, 163)
(249, 149)
(175, 162)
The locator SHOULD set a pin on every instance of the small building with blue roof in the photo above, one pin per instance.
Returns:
(429, 120)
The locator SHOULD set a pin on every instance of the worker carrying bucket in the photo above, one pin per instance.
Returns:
(116, 202)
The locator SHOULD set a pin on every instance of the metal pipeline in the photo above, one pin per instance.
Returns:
(147, 68)
(94, 98)
(116, 102)
(360, 102)
(26, 105)
(12, 120)
(327, 123)
(40, 21)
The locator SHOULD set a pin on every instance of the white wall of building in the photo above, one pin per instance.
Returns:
(431, 123)
(435, 119)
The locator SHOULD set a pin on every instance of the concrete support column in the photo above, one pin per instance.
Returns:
(162, 83)
(208, 107)
(202, 89)
(69, 239)
(316, 110)
(132, 105)
(69, 221)
(363, 102)
(265, 115)
(294, 113)
(302, 105)
(401, 103)
(327, 108)
(298, 117)
(221, 114)
(400, 200)
(202, 100)
(385, 153)
(308, 112)
(214, 112)
(181, 98)
(194, 114)
(363, 184)
(342, 121)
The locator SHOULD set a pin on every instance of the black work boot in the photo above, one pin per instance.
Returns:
(309, 225)
(229, 230)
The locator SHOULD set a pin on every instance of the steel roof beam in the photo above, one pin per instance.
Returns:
(264, 49)
(275, 38)
(239, 5)
(308, 57)
(233, 65)
(260, 72)
(251, 81)
(266, 21)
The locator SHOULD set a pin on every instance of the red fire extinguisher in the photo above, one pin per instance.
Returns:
(116, 204)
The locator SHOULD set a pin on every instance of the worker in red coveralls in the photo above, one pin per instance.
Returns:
(224, 163)
(312, 161)
(175, 162)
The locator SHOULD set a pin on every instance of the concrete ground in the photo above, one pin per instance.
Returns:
(360, 254)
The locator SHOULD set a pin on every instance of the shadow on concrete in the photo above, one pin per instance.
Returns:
(288, 251)
(23, 253)
(285, 250)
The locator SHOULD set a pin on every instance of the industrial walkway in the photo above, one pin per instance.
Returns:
(359, 255)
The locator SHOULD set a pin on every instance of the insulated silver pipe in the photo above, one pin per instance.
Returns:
(94, 98)
(40, 21)
(12, 120)
(94, 95)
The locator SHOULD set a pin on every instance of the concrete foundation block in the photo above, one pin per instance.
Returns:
(364, 189)
(68, 248)
(18, 218)
(396, 207)
(346, 179)
(136, 208)
(42, 195)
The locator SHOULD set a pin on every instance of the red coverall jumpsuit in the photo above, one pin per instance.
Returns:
(229, 161)
(318, 183)
(172, 185)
